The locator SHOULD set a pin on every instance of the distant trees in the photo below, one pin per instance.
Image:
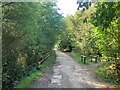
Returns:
(79, 30)
(30, 30)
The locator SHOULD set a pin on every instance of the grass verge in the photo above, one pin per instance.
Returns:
(105, 74)
(27, 80)
(77, 57)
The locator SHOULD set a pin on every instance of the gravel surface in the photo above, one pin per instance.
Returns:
(67, 73)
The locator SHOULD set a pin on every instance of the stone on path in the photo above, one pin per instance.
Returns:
(57, 76)
(55, 81)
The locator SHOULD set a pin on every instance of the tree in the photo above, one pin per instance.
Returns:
(106, 20)
(29, 31)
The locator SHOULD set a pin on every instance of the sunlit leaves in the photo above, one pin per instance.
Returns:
(106, 21)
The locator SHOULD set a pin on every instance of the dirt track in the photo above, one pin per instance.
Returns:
(67, 73)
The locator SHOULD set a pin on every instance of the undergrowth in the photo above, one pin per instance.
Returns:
(106, 74)
(34, 75)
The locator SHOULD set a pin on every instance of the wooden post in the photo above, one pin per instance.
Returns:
(84, 59)
(96, 59)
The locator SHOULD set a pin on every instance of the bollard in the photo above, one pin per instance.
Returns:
(84, 59)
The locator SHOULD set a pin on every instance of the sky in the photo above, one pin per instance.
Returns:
(67, 7)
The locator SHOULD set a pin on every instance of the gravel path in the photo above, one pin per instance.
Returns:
(67, 73)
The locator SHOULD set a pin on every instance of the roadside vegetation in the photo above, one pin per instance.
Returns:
(76, 56)
(34, 75)
(29, 33)
(94, 30)
(105, 73)
(31, 30)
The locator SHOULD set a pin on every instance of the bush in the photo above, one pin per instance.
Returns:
(29, 33)
(106, 72)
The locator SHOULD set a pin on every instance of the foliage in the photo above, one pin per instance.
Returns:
(26, 81)
(96, 30)
(79, 30)
(29, 32)
(65, 43)
(76, 56)
(106, 20)
(105, 72)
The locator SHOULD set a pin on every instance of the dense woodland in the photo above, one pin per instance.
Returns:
(31, 30)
